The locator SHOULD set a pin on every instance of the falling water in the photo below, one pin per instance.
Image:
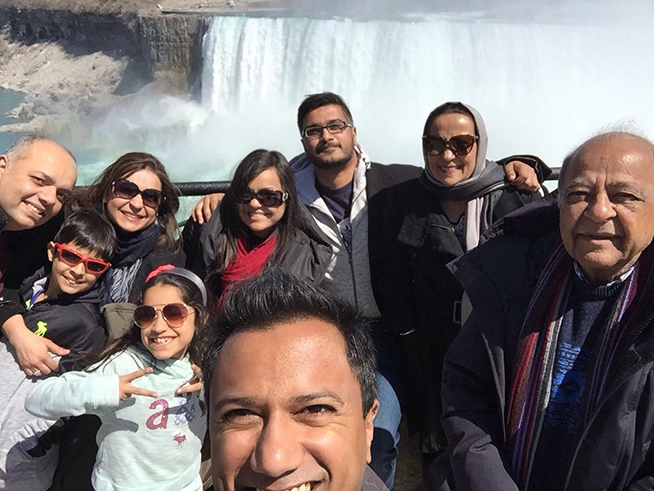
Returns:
(543, 85)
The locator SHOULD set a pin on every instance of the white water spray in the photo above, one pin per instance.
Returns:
(543, 87)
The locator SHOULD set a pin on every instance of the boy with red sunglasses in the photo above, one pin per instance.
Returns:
(61, 305)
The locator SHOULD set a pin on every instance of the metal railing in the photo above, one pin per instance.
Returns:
(208, 187)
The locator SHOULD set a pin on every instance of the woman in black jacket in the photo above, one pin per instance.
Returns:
(428, 222)
(259, 223)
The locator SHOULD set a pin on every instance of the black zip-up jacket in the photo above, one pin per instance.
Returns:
(25, 252)
(614, 452)
(71, 321)
(419, 296)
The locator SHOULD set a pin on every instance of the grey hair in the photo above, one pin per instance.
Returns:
(620, 128)
(24, 143)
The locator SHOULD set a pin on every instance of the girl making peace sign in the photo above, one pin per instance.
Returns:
(145, 390)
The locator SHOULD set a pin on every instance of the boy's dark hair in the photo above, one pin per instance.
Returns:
(314, 101)
(89, 229)
(276, 297)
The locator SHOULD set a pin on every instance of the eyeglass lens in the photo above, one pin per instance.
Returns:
(267, 197)
(173, 313)
(334, 127)
(460, 145)
(127, 190)
(71, 258)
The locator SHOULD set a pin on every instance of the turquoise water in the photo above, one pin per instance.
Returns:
(9, 99)
(91, 160)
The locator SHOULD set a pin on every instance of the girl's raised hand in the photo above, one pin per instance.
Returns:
(126, 389)
(194, 385)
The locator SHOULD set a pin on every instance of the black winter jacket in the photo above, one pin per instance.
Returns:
(614, 452)
(152, 261)
(420, 297)
(71, 321)
(25, 253)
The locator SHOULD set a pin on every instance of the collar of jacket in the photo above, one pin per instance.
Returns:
(3, 219)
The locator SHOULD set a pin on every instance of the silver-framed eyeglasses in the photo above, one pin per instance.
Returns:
(334, 127)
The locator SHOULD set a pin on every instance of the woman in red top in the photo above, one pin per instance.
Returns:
(259, 223)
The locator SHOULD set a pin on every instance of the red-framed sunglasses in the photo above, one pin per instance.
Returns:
(73, 258)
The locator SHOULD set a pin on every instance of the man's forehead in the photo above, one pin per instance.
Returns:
(298, 355)
(625, 157)
(324, 114)
(48, 157)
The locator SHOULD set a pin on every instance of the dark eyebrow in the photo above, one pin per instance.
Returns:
(325, 394)
(624, 186)
(42, 175)
(234, 401)
(337, 120)
(578, 181)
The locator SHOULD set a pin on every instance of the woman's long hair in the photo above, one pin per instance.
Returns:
(96, 196)
(250, 167)
(191, 295)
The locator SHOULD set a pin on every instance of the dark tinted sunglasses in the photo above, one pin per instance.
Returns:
(459, 145)
(173, 313)
(122, 188)
(266, 197)
(72, 258)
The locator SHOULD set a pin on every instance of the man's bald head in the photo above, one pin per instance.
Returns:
(607, 203)
(620, 135)
(36, 176)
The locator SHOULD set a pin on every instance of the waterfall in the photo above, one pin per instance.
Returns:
(543, 86)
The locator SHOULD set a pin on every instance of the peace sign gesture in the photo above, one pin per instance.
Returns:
(126, 389)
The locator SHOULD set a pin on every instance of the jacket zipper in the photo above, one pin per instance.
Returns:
(598, 408)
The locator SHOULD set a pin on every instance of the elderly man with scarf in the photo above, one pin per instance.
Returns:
(550, 383)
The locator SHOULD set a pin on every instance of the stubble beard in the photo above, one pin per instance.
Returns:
(332, 164)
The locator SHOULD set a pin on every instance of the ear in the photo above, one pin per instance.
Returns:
(370, 426)
(4, 163)
(51, 251)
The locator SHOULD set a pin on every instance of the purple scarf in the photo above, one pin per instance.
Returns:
(536, 351)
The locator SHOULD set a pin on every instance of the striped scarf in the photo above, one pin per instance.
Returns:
(537, 349)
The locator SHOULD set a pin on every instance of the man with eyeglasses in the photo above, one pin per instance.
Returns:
(36, 177)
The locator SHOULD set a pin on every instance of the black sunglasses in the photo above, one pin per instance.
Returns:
(459, 145)
(266, 197)
(124, 189)
(173, 313)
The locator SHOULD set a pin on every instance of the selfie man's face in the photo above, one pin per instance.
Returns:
(286, 412)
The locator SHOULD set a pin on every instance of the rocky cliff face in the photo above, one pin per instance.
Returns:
(153, 44)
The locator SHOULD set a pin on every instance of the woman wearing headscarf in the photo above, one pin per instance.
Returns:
(430, 221)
